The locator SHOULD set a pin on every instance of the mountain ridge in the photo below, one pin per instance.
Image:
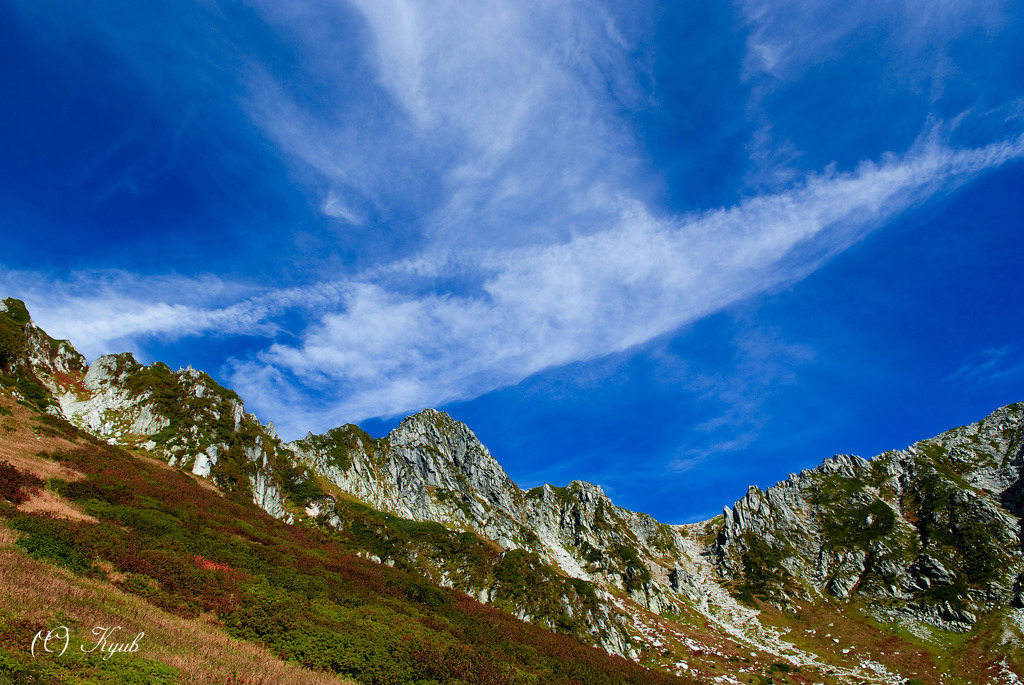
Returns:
(856, 530)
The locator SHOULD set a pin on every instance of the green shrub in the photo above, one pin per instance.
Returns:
(12, 342)
(953, 529)
(16, 311)
(51, 539)
(846, 526)
(337, 444)
(37, 396)
(635, 573)
(304, 490)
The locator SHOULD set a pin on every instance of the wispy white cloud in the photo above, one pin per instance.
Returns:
(389, 351)
(987, 366)
(507, 125)
(112, 311)
(384, 345)
(335, 207)
(498, 118)
(786, 38)
(693, 458)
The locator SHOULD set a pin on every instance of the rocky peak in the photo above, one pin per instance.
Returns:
(39, 352)
(930, 532)
(448, 455)
(184, 416)
(433, 468)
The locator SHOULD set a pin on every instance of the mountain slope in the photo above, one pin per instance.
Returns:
(432, 467)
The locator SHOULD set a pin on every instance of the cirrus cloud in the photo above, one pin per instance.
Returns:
(389, 350)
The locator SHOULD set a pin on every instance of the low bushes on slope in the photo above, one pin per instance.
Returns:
(163, 536)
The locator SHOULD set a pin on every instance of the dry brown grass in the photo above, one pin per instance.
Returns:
(20, 444)
(52, 504)
(199, 649)
(838, 619)
(7, 537)
(204, 483)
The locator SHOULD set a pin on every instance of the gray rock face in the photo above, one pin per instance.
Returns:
(267, 496)
(429, 468)
(935, 526)
(106, 407)
(183, 416)
(433, 468)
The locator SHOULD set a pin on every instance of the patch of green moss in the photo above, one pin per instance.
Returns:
(337, 444)
(300, 485)
(16, 311)
(234, 470)
(935, 458)
(764, 576)
(454, 498)
(195, 422)
(634, 574)
(878, 473)
(561, 493)
(216, 389)
(12, 342)
(36, 395)
(590, 553)
(524, 582)
(833, 488)
(165, 434)
(856, 526)
(162, 384)
(50, 539)
(125, 362)
(953, 529)
(714, 525)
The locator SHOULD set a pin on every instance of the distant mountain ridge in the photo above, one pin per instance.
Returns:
(932, 532)
(927, 537)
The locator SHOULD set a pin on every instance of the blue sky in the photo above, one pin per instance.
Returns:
(671, 248)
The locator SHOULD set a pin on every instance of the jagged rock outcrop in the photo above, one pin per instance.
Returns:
(184, 417)
(106, 406)
(935, 527)
(433, 468)
(430, 468)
